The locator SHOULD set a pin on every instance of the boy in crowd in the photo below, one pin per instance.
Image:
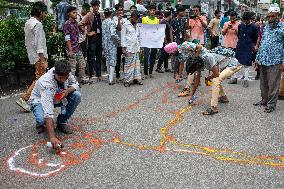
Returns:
(74, 53)
(93, 23)
(150, 53)
(164, 57)
(35, 42)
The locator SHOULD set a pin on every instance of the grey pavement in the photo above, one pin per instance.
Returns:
(117, 141)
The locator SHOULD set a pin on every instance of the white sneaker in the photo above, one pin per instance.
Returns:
(23, 104)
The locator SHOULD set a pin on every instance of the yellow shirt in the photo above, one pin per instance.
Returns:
(147, 20)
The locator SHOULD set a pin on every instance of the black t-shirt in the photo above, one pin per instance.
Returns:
(168, 29)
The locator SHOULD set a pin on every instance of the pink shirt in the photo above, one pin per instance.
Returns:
(197, 30)
(231, 37)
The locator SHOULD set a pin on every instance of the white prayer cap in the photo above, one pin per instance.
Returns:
(274, 8)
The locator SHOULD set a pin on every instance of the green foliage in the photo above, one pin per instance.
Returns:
(54, 40)
(12, 46)
(13, 53)
(54, 3)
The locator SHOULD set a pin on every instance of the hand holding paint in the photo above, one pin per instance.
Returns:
(55, 144)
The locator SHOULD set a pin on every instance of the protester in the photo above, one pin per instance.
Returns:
(164, 57)
(270, 59)
(130, 42)
(178, 27)
(197, 24)
(74, 53)
(150, 53)
(246, 46)
(230, 33)
(94, 36)
(83, 31)
(212, 60)
(35, 43)
(119, 21)
(61, 13)
(215, 29)
(110, 43)
(57, 88)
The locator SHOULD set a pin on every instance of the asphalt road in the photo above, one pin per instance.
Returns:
(147, 137)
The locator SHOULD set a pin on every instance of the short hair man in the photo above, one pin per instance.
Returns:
(270, 58)
(197, 26)
(164, 57)
(230, 31)
(83, 33)
(94, 32)
(57, 88)
(150, 53)
(75, 55)
(215, 29)
(35, 42)
(119, 21)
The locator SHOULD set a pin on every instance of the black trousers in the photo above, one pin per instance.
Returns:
(164, 58)
(149, 60)
(95, 56)
(214, 41)
(118, 63)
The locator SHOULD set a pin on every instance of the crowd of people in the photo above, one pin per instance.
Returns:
(235, 44)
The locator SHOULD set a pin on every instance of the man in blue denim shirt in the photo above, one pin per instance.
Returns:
(270, 58)
(61, 13)
(57, 88)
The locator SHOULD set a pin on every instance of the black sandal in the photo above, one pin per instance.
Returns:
(135, 81)
(209, 111)
(221, 100)
(126, 84)
(269, 109)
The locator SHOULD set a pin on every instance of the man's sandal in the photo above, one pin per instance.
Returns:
(209, 111)
(126, 84)
(224, 101)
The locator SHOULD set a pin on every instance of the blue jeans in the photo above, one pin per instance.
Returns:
(73, 101)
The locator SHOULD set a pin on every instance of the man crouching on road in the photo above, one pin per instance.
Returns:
(57, 88)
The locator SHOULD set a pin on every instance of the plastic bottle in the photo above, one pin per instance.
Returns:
(190, 101)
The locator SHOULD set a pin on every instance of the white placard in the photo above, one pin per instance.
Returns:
(152, 35)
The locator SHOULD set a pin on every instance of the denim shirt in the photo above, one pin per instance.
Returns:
(271, 51)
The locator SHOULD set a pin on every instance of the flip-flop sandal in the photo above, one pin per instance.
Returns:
(223, 101)
(209, 111)
(126, 84)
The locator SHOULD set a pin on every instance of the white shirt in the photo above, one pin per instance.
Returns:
(35, 40)
(130, 37)
(82, 36)
(45, 90)
(122, 21)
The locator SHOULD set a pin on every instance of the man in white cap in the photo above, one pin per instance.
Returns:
(270, 59)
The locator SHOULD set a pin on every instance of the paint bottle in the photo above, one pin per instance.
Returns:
(48, 145)
(190, 101)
